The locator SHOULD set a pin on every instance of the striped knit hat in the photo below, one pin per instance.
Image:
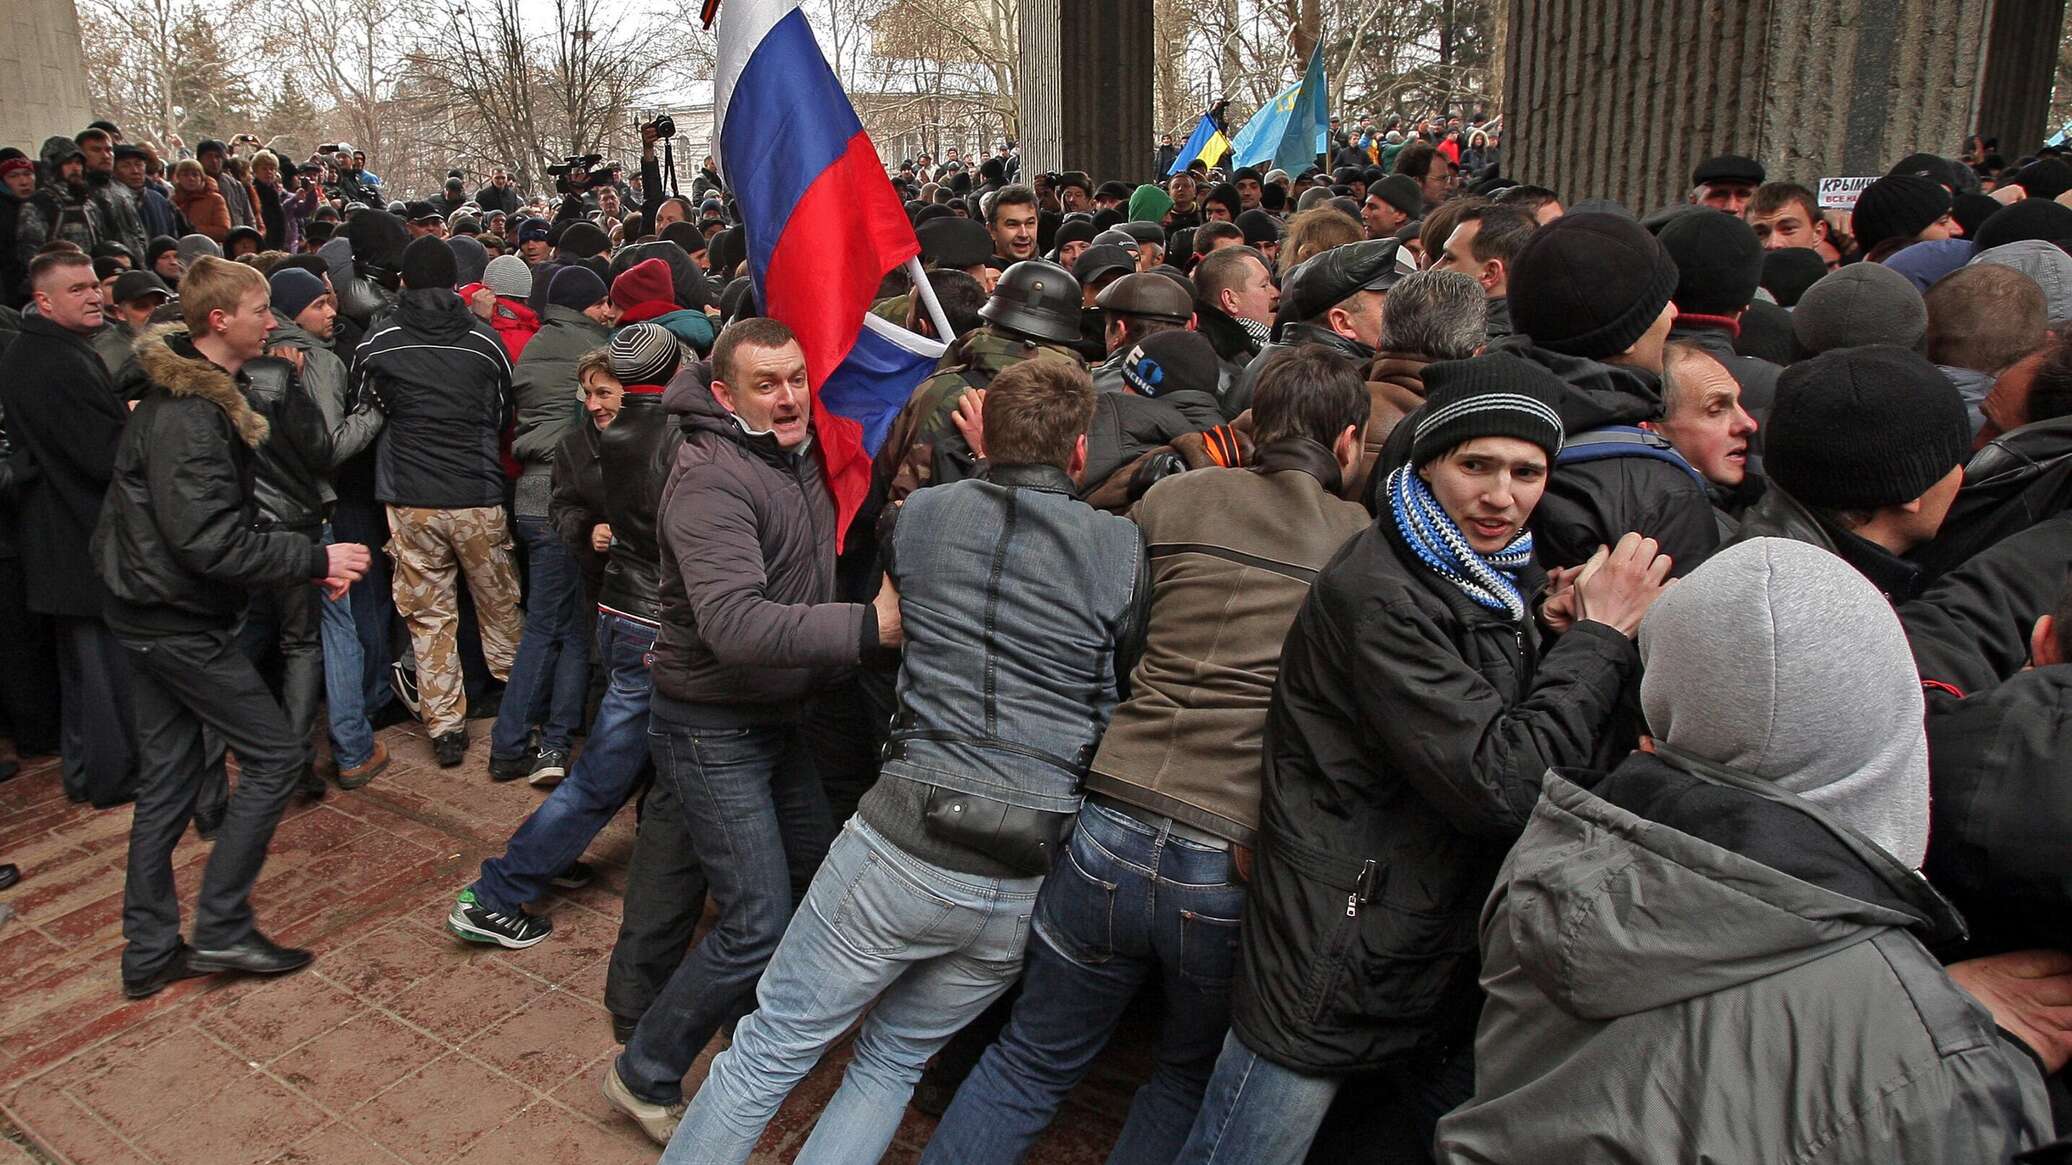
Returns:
(1495, 395)
(508, 276)
(643, 354)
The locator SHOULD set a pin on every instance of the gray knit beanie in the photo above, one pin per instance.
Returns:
(1779, 660)
(508, 276)
(1863, 303)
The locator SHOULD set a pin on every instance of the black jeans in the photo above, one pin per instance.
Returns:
(28, 667)
(283, 637)
(665, 898)
(181, 685)
(94, 678)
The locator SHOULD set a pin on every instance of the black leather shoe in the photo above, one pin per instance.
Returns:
(9, 875)
(174, 970)
(257, 955)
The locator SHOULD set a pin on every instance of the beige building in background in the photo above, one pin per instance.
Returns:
(42, 80)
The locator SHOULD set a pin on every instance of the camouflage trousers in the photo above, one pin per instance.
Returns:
(430, 548)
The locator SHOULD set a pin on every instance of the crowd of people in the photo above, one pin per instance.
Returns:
(1494, 677)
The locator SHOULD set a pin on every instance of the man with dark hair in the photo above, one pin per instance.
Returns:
(155, 211)
(1483, 243)
(212, 155)
(64, 417)
(1785, 215)
(118, 202)
(1013, 219)
(443, 380)
(1171, 815)
(746, 534)
(1247, 183)
(63, 208)
(979, 783)
(960, 297)
(1435, 173)
(1542, 204)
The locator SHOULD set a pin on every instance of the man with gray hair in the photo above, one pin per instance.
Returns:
(1433, 315)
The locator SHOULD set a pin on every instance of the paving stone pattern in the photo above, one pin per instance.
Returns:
(399, 1044)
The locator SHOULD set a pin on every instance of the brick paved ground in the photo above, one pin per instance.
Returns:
(399, 1044)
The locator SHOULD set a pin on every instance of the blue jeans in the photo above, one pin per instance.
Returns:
(922, 949)
(758, 822)
(1129, 905)
(1257, 1112)
(551, 675)
(356, 683)
(603, 777)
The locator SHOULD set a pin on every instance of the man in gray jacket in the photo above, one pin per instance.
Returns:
(1720, 944)
(749, 627)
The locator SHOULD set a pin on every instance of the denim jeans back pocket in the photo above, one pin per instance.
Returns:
(1208, 950)
(1076, 910)
(883, 911)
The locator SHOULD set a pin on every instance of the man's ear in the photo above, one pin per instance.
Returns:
(2043, 643)
(1348, 449)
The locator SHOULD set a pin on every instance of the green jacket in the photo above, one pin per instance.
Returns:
(544, 383)
(1689, 964)
(923, 447)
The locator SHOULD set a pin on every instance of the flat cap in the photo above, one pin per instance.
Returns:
(1320, 281)
(1142, 293)
(1728, 168)
(1099, 260)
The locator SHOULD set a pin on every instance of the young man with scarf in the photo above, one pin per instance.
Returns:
(1415, 712)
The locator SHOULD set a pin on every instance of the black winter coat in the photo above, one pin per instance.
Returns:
(1970, 630)
(1405, 743)
(635, 454)
(577, 501)
(2017, 480)
(292, 464)
(1596, 502)
(442, 378)
(178, 544)
(63, 414)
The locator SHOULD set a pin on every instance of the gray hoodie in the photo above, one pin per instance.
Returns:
(1690, 962)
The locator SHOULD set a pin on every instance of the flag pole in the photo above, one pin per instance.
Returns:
(928, 300)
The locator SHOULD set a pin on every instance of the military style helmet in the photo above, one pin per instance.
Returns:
(1036, 298)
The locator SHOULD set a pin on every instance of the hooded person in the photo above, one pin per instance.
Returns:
(1416, 710)
(1591, 301)
(375, 239)
(1723, 941)
(63, 206)
(1925, 262)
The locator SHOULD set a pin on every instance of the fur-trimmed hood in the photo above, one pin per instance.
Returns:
(167, 356)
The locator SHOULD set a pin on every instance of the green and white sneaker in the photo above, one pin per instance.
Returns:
(477, 923)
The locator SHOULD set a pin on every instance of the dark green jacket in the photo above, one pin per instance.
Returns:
(1689, 964)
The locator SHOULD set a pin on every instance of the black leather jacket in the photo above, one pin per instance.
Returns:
(635, 452)
(289, 467)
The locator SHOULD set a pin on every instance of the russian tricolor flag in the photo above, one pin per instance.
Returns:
(823, 226)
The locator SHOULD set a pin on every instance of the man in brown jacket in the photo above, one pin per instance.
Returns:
(1152, 888)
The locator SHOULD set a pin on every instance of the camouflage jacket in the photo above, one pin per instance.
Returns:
(923, 446)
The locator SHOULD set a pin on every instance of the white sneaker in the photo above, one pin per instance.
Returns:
(658, 1121)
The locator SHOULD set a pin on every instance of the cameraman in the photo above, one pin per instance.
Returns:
(574, 177)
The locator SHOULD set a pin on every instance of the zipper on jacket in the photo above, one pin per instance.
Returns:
(1363, 889)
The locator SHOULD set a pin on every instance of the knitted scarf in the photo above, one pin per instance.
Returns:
(1490, 580)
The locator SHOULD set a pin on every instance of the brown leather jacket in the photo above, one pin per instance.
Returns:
(1395, 388)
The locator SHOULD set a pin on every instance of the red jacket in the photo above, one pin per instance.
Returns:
(514, 322)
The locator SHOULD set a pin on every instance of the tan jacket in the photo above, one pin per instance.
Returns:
(1232, 553)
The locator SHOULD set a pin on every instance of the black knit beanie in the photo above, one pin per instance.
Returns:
(2045, 178)
(1494, 395)
(1972, 210)
(1589, 285)
(1897, 206)
(575, 287)
(1860, 428)
(1719, 262)
(1789, 271)
(2031, 218)
(428, 262)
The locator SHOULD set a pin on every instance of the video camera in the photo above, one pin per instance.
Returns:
(576, 172)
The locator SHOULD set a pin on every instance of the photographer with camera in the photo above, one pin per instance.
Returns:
(654, 194)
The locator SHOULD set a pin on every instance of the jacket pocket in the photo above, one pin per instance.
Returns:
(1398, 966)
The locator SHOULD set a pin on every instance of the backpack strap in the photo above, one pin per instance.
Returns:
(1623, 441)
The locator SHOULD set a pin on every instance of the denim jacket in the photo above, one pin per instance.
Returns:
(1023, 611)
